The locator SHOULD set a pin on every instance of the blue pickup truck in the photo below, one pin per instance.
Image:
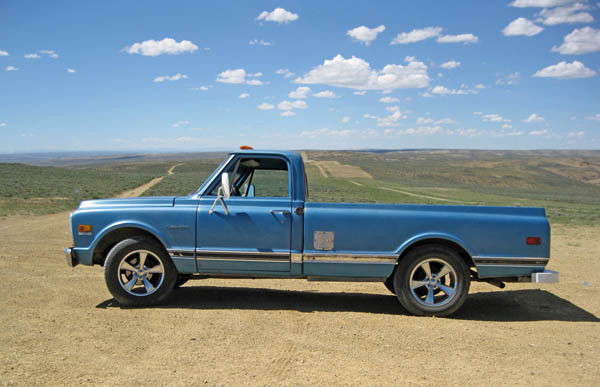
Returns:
(252, 219)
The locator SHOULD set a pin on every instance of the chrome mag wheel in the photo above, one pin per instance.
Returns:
(141, 273)
(433, 282)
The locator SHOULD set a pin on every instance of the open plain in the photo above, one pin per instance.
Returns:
(62, 327)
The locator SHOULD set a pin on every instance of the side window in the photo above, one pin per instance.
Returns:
(258, 177)
(270, 183)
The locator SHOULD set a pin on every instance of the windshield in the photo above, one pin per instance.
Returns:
(212, 175)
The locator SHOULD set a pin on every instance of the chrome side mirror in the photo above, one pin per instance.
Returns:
(225, 185)
(223, 192)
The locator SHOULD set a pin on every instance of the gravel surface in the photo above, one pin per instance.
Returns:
(62, 327)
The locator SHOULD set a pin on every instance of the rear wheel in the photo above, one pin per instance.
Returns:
(139, 272)
(432, 281)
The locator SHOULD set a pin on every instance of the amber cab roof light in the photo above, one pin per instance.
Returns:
(246, 147)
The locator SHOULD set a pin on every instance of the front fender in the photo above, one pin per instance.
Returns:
(126, 224)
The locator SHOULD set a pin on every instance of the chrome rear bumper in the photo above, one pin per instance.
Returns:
(70, 257)
(545, 277)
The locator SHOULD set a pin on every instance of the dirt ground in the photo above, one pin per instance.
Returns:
(60, 326)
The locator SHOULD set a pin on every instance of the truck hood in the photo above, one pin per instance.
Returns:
(151, 201)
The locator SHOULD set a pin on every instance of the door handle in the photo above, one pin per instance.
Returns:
(282, 212)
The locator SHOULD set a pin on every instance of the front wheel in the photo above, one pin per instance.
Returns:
(432, 281)
(139, 272)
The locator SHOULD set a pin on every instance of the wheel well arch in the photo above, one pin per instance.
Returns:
(108, 241)
(440, 242)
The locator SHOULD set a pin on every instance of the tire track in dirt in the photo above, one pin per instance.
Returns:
(425, 196)
(138, 191)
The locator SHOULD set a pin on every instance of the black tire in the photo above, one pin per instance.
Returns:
(428, 295)
(182, 279)
(389, 284)
(149, 285)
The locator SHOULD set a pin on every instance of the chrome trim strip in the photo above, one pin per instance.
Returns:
(237, 256)
(260, 260)
(510, 258)
(192, 258)
(510, 261)
(296, 257)
(181, 253)
(508, 265)
(349, 257)
(242, 252)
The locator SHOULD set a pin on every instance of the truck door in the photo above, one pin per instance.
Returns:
(256, 235)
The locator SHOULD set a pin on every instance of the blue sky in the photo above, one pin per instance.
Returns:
(191, 75)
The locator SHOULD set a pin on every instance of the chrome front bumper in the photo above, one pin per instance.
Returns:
(545, 277)
(70, 257)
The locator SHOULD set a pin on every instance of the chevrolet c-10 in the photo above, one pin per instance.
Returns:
(252, 218)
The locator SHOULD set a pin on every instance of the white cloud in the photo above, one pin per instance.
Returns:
(278, 15)
(480, 86)
(31, 56)
(2, 124)
(11, 68)
(356, 73)
(364, 34)
(390, 120)
(522, 26)
(285, 72)
(427, 120)
(325, 94)
(260, 42)
(579, 134)
(538, 132)
(345, 119)
(534, 118)
(266, 106)
(561, 15)
(287, 113)
(388, 99)
(580, 41)
(511, 79)
(451, 64)
(51, 53)
(201, 88)
(417, 35)
(595, 117)
(442, 90)
(3, 53)
(507, 126)
(360, 92)
(239, 76)
(71, 71)
(287, 105)
(493, 118)
(320, 133)
(300, 93)
(539, 3)
(460, 38)
(565, 70)
(232, 76)
(244, 95)
(159, 47)
(175, 77)
(180, 123)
